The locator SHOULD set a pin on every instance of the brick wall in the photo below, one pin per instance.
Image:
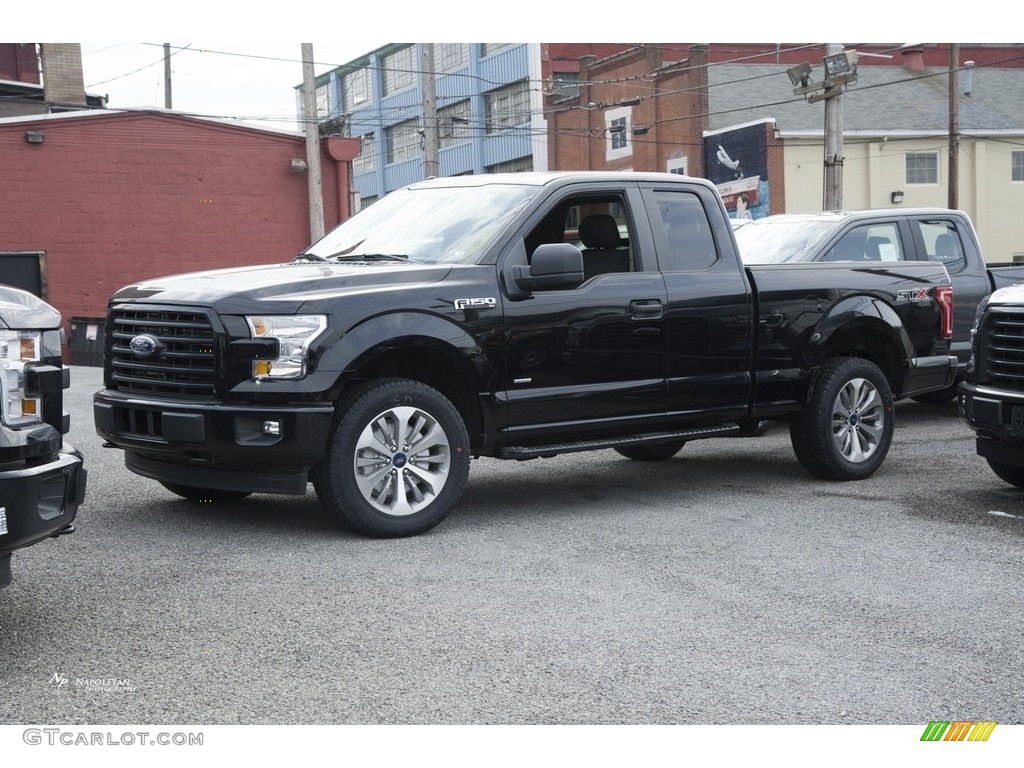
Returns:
(113, 198)
(671, 114)
(63, 81)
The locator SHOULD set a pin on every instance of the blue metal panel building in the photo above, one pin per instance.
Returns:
(488, 104)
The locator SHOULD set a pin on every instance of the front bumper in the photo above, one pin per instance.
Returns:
(997, 418)
(39, 500)
(226, 446)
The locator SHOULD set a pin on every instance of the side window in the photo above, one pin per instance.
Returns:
(869, 242)
(598, 226)
(687, 244)
(942, 243)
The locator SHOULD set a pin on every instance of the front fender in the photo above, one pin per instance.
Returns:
(387, 332)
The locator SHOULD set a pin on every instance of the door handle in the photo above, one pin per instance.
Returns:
(646, 309)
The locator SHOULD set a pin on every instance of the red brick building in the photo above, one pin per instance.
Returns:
(95, 199)
(643, 109)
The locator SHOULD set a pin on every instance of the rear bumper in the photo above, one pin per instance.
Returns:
(39, 500)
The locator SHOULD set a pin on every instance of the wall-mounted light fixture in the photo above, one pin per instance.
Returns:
(297, 165)
(897, 196)
(35, 137)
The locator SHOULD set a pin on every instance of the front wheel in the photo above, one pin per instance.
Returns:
(1009, 473)
(846, 430)
(397, 460)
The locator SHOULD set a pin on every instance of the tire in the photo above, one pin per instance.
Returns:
(937, 397)
(846, 430)
(651, 451)
(1009, 473)
(375, 484)
(192, 493)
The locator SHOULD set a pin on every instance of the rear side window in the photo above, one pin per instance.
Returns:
(942, 243)
(869, 242)
(687, 244)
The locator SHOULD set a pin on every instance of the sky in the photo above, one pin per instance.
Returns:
(253, 79)
(252, 82)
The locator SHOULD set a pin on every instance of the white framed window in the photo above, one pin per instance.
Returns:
(507, 107)
(617, 126)
(366, 160)
(453, 124)
(565, 85)
(1017, 165)
(400, 70)
(450, 56)
(678, 165)
(323, 101)
(922, 167)
(403, 141)
(486, 49)
(522, 165)
(356, 87)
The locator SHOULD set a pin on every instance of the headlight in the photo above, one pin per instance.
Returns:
(17, 348)
(294, 334)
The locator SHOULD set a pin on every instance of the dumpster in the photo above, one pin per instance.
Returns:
(86, 346)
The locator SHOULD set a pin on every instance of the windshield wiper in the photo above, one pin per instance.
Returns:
(369, 257)
(309, 256)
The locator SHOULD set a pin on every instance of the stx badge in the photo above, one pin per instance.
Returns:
(914, 294)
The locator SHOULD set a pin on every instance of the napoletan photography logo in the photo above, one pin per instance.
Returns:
(958, 730)
(61, 681)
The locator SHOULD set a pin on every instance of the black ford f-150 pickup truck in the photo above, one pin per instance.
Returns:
(514, 316)
(992, 395)
(42, 478)
(885, 236)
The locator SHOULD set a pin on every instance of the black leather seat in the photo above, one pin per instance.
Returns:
(602, 246)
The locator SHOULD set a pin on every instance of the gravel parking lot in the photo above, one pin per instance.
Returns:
(724, 586)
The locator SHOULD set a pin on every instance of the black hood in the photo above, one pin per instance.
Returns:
(279, 287)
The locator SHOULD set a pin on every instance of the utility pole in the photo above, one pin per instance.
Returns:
(833, 140)
(313, 174)
(431, 140)
(167, 75)
(953, 197)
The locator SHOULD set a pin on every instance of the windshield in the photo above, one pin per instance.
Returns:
(776, 241)
(432, 225)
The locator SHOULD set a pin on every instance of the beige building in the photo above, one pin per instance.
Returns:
(895, 140)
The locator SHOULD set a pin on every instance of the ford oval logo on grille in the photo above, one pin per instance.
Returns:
(144, 346)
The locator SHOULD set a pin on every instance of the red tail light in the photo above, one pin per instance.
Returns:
(944, 296)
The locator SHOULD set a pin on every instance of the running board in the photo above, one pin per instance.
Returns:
(542, 451)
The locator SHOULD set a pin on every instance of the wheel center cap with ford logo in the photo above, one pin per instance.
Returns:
(145, 346)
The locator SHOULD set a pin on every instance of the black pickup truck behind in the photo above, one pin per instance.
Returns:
(42, 478)
(514, 316)
(886, 236)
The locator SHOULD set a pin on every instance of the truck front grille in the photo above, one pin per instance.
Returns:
(184, 363)
(1003, 345)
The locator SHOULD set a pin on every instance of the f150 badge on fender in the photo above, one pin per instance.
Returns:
(490, 301)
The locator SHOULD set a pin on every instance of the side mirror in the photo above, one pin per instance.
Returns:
(554, 265)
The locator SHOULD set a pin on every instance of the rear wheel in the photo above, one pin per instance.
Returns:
(651, 451)
(846, 430)
(1009, 473)
(192, 493)
(397, 460)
